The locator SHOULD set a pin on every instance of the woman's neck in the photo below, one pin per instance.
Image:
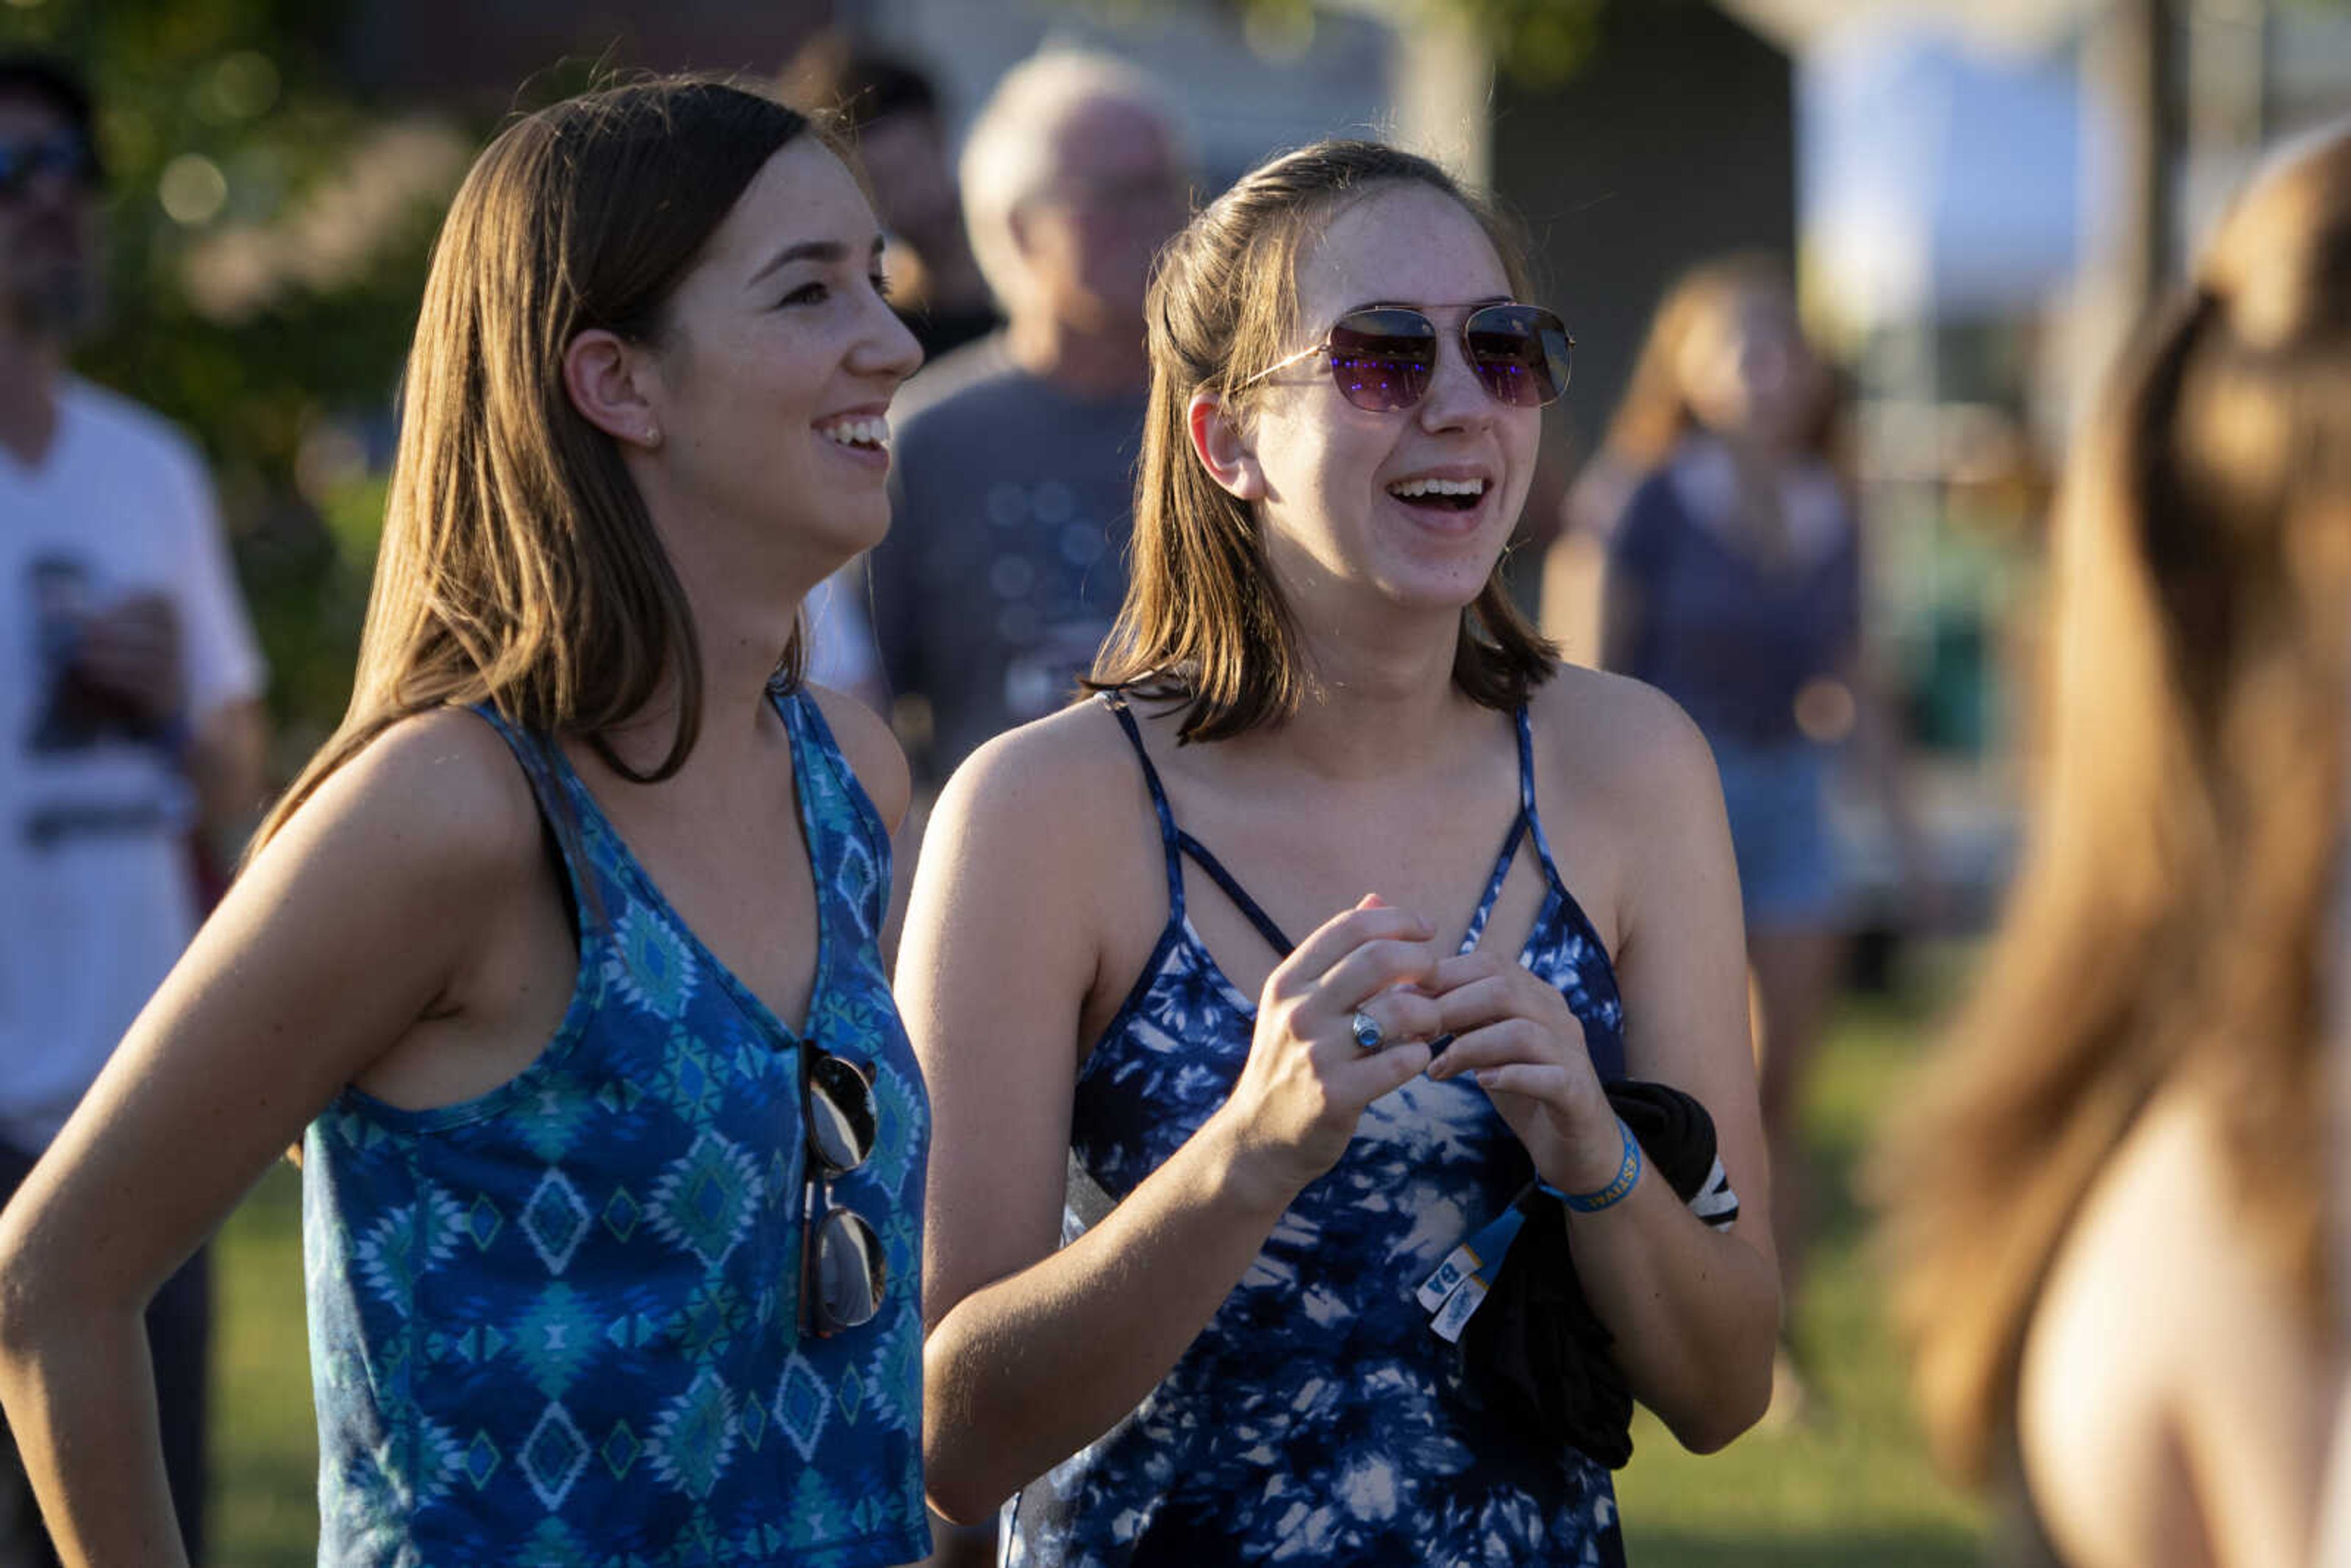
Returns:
(1378, 700)
(740, 638)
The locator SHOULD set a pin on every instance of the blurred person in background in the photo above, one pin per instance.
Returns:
(131, 720)
(559, 955)
(1319, 671)
(1005, 557)
(2105, 1199)
(1733, 583)
(889, 112)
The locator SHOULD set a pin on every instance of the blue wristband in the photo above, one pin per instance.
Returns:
(1628, 1176)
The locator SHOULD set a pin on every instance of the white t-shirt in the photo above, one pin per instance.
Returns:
(94, 816)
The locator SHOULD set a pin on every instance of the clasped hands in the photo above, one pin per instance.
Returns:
(1307, 1081)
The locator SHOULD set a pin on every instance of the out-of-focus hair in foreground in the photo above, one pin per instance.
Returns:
(2168, 930)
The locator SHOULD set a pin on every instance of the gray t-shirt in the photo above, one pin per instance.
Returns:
(1006, 560)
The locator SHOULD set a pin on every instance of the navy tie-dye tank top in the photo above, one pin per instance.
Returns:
(1318, 1419)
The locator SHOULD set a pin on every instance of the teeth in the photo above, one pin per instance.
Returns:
(1410, 488)
(860, 432)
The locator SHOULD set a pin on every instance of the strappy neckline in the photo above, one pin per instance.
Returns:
(795, 709)
(1176, 844)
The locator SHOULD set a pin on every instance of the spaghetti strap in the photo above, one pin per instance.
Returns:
(1485, 910)
(1266, 926)
(1527, 810)
(1169, 838)
(1178, 843)
(551, 787)
(1526, 820)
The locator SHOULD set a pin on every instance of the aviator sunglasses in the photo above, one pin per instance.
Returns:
(1383, 358)
(66, 153)
(842, 1272)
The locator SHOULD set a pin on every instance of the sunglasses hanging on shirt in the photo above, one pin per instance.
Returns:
(842, 1271)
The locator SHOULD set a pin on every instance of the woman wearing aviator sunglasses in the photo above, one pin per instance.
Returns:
(1319, 673)
(560, 955)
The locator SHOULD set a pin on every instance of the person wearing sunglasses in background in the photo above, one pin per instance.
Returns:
(562, 948)
(1321, 714)
(130, 719)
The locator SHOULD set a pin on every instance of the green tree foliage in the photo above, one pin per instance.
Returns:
(1536, 43)
(259, 292)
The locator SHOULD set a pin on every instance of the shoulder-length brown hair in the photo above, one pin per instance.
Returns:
(1205, 625)
(519, 566)
(2171, 922)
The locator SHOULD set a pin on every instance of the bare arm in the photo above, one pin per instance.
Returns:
(1694, 1312)
(1033, 1353)
(346, 929)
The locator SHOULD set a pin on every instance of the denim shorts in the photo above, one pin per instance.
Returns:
(1778, 801)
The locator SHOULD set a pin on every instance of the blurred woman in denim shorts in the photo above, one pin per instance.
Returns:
(1733, 583)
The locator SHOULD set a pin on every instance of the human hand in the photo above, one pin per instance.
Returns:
(1517, 1034)
(130, 654)
(1307, 1082)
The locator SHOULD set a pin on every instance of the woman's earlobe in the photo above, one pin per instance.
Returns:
(1223, 448)
(601, 377)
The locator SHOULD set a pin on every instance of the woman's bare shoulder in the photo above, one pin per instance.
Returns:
(436, 794)
(1621, 739)
(1069, 771)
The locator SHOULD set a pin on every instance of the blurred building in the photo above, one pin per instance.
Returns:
(1674, 141)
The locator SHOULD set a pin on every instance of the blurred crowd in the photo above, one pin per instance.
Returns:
(2132, 1119)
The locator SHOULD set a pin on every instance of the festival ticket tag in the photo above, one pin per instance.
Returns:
(1452, 1293)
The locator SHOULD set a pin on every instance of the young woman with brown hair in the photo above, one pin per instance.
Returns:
(562, 949)
(2107, 1201)
(1319, 672)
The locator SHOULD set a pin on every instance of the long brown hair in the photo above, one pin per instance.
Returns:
(2169, 923)
(518, 565)
(1205, 625)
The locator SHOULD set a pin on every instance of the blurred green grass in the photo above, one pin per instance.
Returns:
(1847, 1486)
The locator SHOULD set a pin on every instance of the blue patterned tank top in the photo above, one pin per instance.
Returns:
(558, 1323)
(1318, 1417)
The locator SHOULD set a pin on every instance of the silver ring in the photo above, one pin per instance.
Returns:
(1366, 1030)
